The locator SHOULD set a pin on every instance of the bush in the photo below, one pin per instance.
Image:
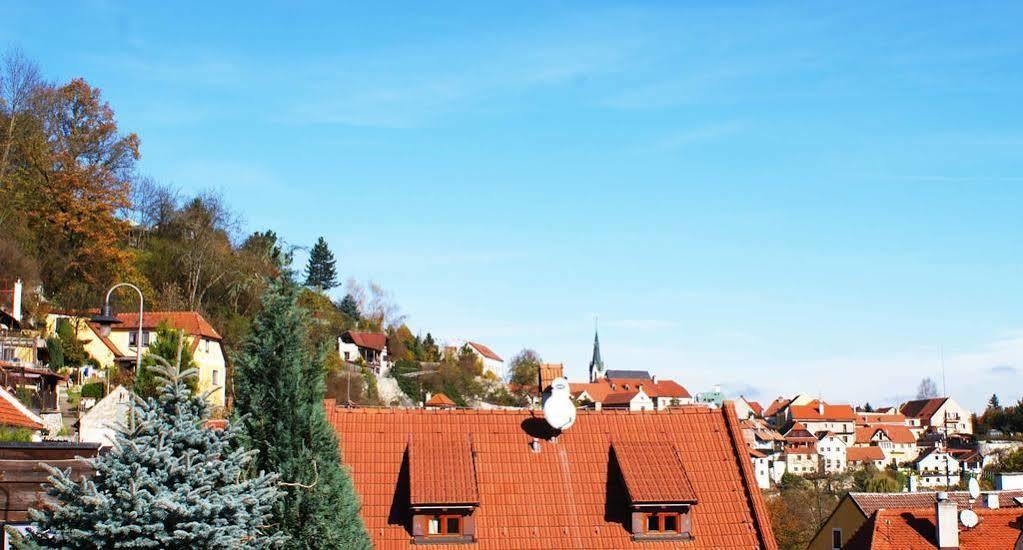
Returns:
(96, 390)
(20, 435)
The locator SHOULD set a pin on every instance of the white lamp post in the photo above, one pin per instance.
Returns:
(106, 319)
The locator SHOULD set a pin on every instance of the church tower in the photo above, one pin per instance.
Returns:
(596, 364)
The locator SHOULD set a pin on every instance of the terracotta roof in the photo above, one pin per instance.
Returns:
(596, 390)
(371, 340)
(804, 450)
(864, 454)
(914, 529)
(810, 412)
(758, 409)
(550, 371)
(439, 400)
(755, 453)
(868, 503)
(14, 413)
(441, 469)
(897, 434)
(557, 498)
(653, 472)
(776, 405)
(620, 398)
(192, 322)
(922, 408)
(666, 388)
(879, 418)
(106, 341)
(486, 352)
(601, 389)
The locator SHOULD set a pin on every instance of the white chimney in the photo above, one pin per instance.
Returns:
(16, 305)
(820, 407)
(992, 500)
(947, 519)
(653, 379)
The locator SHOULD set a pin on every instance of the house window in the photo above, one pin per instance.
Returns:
(662, 522)
(216, 377)
(133, 338)
(444, 525)
(836, 539)
(205, 345)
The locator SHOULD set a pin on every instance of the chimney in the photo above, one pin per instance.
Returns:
(653, 379)
(16, 301)
(820, 407)
(991, 499)
(946, 522)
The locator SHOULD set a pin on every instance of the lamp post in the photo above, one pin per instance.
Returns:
(106, 319)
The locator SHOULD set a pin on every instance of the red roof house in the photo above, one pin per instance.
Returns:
(439, 400)
(14, 414)
(494, 479)
(916, 529)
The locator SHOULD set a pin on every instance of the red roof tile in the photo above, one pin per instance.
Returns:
(666, 388)
(371, 340)
(914, 529)
(439, 400)
(14, 413)
(811, 413)
(864, 454)
(550, 371)
(441, 469)
(868, 503)
(898, 434)
(192, 322)
(620, 398)
(757, 408)
(922, 408)
(556, 498)
(776, 405)
(486, 352)
(653, 472)
(879, 418)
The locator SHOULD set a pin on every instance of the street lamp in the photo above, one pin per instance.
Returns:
(106, 319)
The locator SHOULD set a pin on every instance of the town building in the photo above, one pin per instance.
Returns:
(504, 479)
(851, 524)
(896, 441)
(630, 389)
(493, 364)
(120, 347)
(366, 348)
(101, 423)
(819, 416)
(748, 409)
(832, 452)
(941, 415)
(936, 467)
(861, 457)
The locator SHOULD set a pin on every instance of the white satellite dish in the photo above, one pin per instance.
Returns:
(974, 488)
(968, 518)
(558, 409)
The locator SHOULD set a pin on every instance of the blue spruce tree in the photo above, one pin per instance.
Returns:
(169, 482)
(279, 390)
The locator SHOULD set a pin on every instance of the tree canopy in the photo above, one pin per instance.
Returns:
(320, 272)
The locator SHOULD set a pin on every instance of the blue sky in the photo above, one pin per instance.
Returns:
(795, 197)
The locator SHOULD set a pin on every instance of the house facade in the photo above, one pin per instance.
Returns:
(832, 452)
(936, 467)
(939, 415)
(368, 348)
(819, 416)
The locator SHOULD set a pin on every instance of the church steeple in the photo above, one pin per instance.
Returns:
(596, 364)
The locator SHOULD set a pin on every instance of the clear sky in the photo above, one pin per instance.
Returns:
(809, 197)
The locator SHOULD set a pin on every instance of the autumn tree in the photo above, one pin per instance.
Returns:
(523, 370)
(19, 81)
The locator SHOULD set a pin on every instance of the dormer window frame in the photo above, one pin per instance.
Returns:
(423, 517)
(643, 513)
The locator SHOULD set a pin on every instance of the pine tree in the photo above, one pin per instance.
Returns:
(350, 307)
(321, 272)
(170, 482)
(167, 347)
(279, 391)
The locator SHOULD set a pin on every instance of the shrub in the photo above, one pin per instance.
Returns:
(95, 390)
(20, 435)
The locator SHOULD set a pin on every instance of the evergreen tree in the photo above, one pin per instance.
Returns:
(321, 272)
(166, 348)
(993, 402)
(279, 390)
(350, 307)
(170, 482)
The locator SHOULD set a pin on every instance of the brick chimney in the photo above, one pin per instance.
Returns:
(946, 522)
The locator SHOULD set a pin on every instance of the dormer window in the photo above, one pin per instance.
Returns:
(661, 498)
(443, 494)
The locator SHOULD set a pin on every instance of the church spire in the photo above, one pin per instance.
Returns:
(596, 364)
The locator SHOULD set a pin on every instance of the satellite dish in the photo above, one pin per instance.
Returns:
(558, 409)
(974, 488)
(968, 518)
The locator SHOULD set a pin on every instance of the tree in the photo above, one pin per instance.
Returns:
(524, 368)
(868, 407)
(170, 482)
(168, 347)
(56, 353)
(279, 398)
(350, 307)
(993, 402)
(927, 389)
(19, 81)
(321, 272)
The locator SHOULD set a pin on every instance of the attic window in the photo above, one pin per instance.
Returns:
(663, 522)
(443, 525)
(443, 494)
(661, 498)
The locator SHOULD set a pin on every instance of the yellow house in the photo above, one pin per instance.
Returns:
(17, 346)
(121, 346)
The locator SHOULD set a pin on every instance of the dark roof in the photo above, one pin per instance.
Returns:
(634, 374)
(370, 340)
(486, 352)
(922, 408)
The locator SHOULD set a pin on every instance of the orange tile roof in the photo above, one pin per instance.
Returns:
(441, 469)
(620, 398)
(596, 390)
(192, 322)
(915, 529)
(864, 454)
(486, 352)
(879, 418)
(666, 388)
(810, 412)
(653, 472)
(556, 498)
(371, 340)
(757, 408)
(898, 434)
(776, 405)
(14, 413)
(550, 371)
(868, 503)
(439, 400)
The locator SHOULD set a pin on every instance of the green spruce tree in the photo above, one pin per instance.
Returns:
(321, 271)
(168, 347)
(170, 482)
(350, 307)
(279, 392)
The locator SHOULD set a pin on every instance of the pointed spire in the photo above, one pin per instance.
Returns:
(596, 364)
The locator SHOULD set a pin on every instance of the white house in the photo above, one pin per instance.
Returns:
(101, 423)
(831, 449)
(940, 414)
(633, 400)
(898, 443)
(936, 468)
(492, 362)
(761, 468)
(368, 347)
